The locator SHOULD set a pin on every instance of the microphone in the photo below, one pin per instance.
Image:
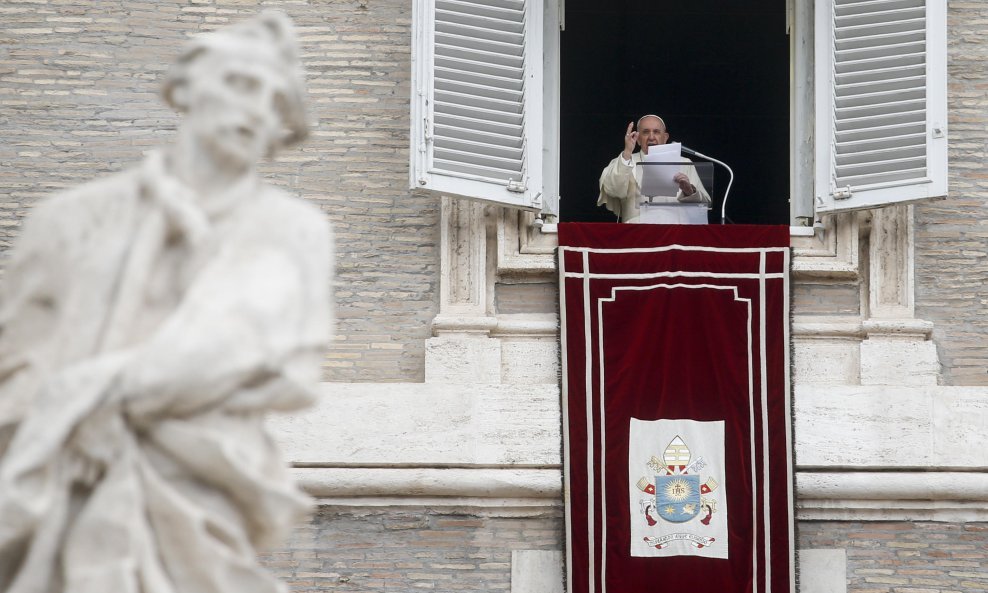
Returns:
(723, 207)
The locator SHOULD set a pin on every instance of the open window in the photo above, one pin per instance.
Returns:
(834, 104)
(717, 72)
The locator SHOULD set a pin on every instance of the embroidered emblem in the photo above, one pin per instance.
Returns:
(678, 493)
(677, 497)
(676, 488)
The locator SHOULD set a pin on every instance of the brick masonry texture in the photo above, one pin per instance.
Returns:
(952, 235)
(79, 99)
(373, 550)
(898, 557)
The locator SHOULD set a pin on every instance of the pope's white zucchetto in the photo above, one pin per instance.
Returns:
(662, 121)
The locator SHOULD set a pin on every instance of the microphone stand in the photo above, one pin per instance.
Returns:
(723, 207)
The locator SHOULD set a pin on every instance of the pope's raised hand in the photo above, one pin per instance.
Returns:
(630, 139)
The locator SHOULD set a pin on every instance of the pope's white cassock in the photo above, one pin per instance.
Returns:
(620, 192)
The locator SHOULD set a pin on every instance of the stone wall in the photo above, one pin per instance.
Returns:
(951, 235)
(445, 550)
(413, 548)
(897, 557)
(818, 298)
(79, 99)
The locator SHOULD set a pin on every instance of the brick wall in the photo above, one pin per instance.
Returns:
(902, 557)
(409, 549)
(374, 550)
(78, 99)
(951, 235)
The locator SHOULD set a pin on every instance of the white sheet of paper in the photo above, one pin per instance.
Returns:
(657, 179)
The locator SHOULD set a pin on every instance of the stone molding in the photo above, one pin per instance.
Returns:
(524, 248)
(430, 482)
(832, 253)
(861, 451)
(820, 496)
(892, 496)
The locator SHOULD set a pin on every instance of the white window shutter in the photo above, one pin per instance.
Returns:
(881, 102)
(477, 100)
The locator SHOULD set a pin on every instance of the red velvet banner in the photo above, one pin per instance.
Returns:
(676, 408)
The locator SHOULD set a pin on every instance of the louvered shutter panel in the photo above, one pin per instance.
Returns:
(880, 102)
(477, 104)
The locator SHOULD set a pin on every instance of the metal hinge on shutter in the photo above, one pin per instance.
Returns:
(843, 193)
(518, 186)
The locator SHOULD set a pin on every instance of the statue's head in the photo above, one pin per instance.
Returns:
(241, 89)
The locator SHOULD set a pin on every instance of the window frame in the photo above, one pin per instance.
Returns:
(810, 128)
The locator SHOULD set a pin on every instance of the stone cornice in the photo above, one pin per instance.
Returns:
(820, 495)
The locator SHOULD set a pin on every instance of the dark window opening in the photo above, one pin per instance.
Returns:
(717, 71)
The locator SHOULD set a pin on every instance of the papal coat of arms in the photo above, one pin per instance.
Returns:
(677, 486)
(677, 501)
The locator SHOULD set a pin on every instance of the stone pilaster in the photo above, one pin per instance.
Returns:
(897, 349)
(462, 350)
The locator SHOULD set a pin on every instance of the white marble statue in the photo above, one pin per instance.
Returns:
(149, 321)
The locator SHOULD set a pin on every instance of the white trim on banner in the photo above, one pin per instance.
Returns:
(788, 421)
(588, 364)
(762, 276)
(762, 371)
(751, 404)
(568, 519)
(677, 247)
(654, 275)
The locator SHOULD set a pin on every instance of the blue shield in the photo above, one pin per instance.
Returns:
(677, 498)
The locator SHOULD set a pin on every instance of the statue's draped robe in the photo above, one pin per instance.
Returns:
(145, 334)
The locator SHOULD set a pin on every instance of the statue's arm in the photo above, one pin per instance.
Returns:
(252, 331)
